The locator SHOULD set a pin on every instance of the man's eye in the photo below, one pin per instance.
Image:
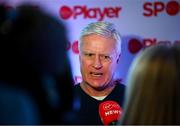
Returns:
(106, 57)
(88, 54)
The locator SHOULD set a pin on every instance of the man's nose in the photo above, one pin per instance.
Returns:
(97, 63)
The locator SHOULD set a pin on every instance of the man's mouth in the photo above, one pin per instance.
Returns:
(96, 74)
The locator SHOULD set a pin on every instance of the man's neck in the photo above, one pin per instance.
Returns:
(96, 92)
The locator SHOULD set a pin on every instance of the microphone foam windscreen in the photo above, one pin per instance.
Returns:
(109, 111)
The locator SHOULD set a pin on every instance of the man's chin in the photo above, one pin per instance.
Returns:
(99, 88)
(97, 85)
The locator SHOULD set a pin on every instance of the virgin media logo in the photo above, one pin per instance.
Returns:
(67, 12)
(110, 105)
(135, 45)
(172, 8)
(73, 46)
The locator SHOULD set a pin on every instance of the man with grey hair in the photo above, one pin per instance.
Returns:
(100, 49)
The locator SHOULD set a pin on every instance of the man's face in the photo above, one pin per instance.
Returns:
(98, 60)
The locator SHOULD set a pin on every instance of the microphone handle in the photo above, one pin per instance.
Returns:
(114, 123)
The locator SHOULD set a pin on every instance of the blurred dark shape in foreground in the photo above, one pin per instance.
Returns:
(153, 87)
(35, 75)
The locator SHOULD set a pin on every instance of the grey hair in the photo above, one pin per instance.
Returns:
(104, 29)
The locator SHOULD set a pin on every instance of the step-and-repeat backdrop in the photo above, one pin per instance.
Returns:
(141, 23)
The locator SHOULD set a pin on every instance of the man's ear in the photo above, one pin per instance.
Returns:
(118, 58)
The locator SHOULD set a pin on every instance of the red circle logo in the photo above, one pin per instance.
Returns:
(75, 47)
(134, 46)
(172, 8)
(65, 12)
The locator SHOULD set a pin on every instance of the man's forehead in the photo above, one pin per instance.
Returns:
(98, 53)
